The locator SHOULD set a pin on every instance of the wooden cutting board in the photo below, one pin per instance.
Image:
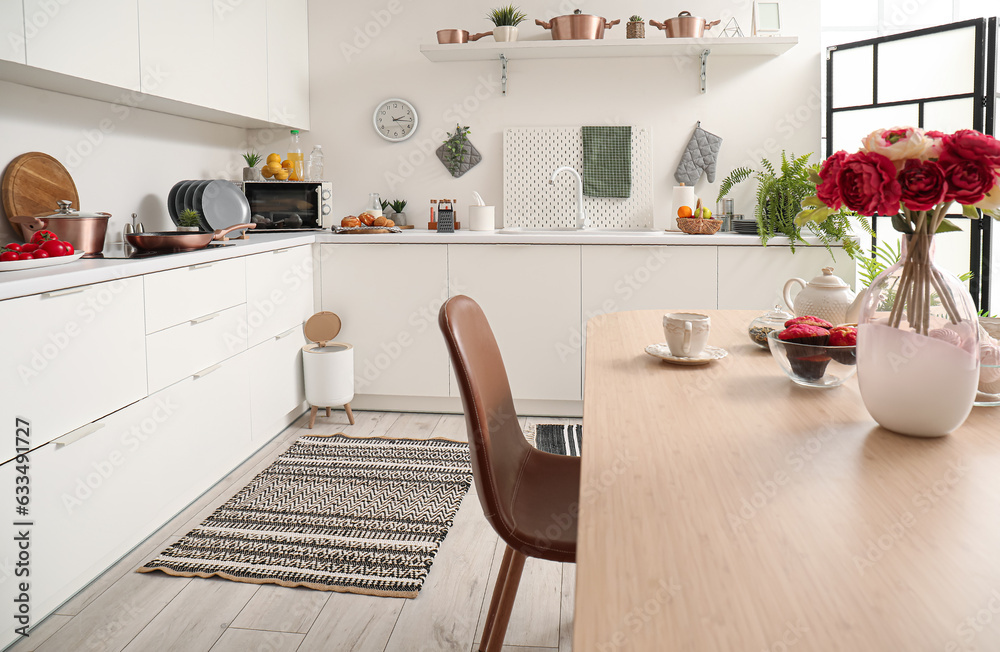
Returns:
(33, 183)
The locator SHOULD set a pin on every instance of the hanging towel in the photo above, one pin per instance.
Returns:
(700, 155)
(607, 161)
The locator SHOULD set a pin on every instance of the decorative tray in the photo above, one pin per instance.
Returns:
(364, 230)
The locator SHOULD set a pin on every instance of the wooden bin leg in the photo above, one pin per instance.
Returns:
(350, 415)
(327, 412)
(312, 416)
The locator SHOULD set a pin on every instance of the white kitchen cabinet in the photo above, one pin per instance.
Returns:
(193, 346)
(173, 37)
(97, 40)
(277, 392)
(240, 38)
(102, 493)
(12, 27)
(388, 297)
(279, 291)
(753, 277)
(73, 356)
(288, 62)
(531, 296)
(178, 295)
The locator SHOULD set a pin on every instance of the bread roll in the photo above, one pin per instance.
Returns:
(380, 221)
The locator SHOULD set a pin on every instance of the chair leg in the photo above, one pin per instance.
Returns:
(350, 415)
(328, 412)
(312, 416)
(491, 615)
(498, 630)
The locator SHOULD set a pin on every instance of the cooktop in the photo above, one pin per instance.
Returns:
(123, 251)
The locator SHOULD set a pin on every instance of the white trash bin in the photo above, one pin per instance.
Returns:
(328, 367)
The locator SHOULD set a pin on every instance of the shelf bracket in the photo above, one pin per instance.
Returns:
(704, 70)
(503, 74)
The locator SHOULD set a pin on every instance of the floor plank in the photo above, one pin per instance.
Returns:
(196, 618)
(40, 633)
(414, 426)
(248, 640)
(566, 617)
(280, 609)
(353, 623)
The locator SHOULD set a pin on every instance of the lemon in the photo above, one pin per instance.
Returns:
(273, 158)
(285, 164)
(266, 171)
(275, 167)
(281, 175)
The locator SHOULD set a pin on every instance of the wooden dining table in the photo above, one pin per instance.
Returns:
(725, 508)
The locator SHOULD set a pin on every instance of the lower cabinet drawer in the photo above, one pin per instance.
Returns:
(195, 345)
(100, 490)
(277, 393)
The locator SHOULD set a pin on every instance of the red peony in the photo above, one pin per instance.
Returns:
(970, 145)
(867, 183)
(922, 184)
(828, 191)
(968, 181)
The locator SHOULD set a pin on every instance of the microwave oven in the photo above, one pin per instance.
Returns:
(288, 205)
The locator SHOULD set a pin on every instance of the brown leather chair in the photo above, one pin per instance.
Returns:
(531, 498)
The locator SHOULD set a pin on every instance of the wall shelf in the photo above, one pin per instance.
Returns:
(763, 46)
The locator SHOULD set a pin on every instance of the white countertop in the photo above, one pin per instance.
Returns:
(87, 272)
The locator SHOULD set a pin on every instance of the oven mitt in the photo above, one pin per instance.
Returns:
(700, 155)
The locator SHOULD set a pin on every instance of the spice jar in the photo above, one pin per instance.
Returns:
(773, 320)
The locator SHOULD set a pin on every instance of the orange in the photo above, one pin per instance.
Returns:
(285, 164)
(684, 211)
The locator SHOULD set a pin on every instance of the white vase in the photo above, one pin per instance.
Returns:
(505, 33)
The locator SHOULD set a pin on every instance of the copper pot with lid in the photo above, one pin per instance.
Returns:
(458, 36)
(577, 26)
(85, 231)
(685, 26)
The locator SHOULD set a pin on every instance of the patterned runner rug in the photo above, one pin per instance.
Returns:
(557, 438)
(337, 513)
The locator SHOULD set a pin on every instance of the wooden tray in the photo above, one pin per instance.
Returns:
(33, 183)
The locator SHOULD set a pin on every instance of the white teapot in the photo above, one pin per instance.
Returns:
(827, 297)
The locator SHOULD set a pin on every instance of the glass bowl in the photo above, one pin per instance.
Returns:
(813, 366)
(989, 378)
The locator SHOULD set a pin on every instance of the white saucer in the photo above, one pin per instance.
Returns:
(662, 351)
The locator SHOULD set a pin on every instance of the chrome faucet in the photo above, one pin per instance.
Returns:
(581, 214)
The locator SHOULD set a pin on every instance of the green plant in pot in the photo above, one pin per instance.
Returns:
(780, 191)
(398, 206)
(189, 220)
(505, 21)
(636, 27)
(250, 172)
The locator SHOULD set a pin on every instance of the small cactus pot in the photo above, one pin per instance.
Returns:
(635, 30)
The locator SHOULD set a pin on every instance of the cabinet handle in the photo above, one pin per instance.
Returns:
(77, 435)
(62, 293)
(200, 266)
(280, 251)
(205, 372)
(201, 320)
(286, 333)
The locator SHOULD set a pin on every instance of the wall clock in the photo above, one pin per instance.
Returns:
(395, 120)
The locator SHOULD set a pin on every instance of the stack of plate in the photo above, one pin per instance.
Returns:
(747, 227)
(219, 202)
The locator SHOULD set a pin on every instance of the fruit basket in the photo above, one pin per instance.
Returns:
(698, 226)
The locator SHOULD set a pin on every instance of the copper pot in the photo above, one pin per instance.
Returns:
(577, 26)
(85, 231)
(685, 26)
(458, 36)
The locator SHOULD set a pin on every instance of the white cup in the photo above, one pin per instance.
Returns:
(686, 333)
(481, 218)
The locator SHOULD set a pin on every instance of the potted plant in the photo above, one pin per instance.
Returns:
(636, 27)
(780, 192)
(251, 173)
(189, 220)
(505, 21)
(457, 153)
(398, 205)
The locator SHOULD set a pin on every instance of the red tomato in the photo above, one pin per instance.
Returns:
(8, 256)
(39, 253)
(42, 236)
(13, 246)
(52, 247)
(28, 247)
(24, 256)
(67, 248)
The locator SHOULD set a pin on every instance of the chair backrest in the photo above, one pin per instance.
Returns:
(496, 443)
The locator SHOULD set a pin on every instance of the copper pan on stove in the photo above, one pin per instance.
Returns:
(176, 241)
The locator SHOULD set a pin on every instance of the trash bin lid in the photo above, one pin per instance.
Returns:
(322, 327)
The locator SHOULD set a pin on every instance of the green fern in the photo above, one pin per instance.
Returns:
(736, 176)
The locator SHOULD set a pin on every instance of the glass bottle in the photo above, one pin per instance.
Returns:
(316, 164)
(295, 158)
(374, 205)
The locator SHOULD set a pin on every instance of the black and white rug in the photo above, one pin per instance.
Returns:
(337, 513)
(557, 438)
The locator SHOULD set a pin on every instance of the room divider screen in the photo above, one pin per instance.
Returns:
(942, 78)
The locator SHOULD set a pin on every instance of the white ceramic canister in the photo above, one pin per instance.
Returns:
(481, 218)
(329, 373)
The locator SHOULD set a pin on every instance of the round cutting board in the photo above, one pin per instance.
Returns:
(33, 183)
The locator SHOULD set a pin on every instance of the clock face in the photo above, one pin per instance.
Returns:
(395, 120)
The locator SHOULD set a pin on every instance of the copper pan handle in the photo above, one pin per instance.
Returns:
(220, 233)
(543, 24)
(32, 223)
(655, 23)
(476, 37)
(713, 23)
(608, 25)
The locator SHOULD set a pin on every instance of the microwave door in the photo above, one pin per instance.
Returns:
(284, 205)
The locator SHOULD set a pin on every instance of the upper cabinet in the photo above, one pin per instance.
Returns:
(240, 37)
(96, 40)
(172, 38)
(288, 68)
(12, 25)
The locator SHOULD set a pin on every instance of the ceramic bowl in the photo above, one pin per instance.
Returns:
(813, 366)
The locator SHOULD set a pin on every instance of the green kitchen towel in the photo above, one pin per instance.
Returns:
(607, 161)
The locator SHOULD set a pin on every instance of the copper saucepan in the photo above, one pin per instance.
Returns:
(180, 240)
(85, 231)
(577, 26)
(458, 36)
(685, 26)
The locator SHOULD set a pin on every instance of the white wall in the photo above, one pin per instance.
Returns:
(123, 159)
(758, 105)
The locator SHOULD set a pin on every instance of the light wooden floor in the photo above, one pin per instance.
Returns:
(124, 610)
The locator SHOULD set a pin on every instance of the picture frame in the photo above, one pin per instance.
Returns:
(766, 18)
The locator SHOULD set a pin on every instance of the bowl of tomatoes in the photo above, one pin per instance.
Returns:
(43, 250)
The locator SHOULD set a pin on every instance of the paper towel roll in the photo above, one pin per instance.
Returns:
(682, 196)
